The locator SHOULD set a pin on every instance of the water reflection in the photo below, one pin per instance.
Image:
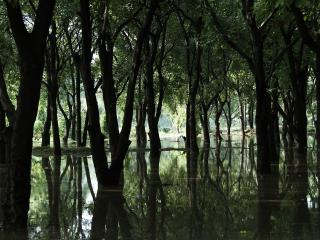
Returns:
(109, 215)
(155, 195)
(215, 194)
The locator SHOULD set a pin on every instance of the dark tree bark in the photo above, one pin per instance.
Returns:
(86, 168)
(193, 73)
(256, 63)
(251, 114)
(45, 139)
(219, 109)
(3, 159)
(108, 86)
(74, 103)
(79, 197)
(298, 73)
(194, 89)
(141, 115)
(242, 114)
(55, 213)
(228, 115)
(109, 215)
(205, 125)
(85, 131)
(96, 138)
(275, 122)
(78, 100)
(31, 48)
(154, 187)
(317, 74)
(5, 100)
(151, 47)
(140, 128)
(6, 111)
(76, 90)
(67, 119)
(313, 42)
(53, 87)
(111, 175)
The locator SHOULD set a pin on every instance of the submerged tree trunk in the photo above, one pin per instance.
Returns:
(31, 47)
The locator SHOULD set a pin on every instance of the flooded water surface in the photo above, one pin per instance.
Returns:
(216, 194)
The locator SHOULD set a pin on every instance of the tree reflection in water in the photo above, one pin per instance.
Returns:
(109, 215)
(215, 194)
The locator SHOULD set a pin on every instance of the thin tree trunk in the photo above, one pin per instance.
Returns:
(78, 99)
(205, 126)
(47, 125)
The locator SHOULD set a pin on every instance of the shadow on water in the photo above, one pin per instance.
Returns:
(213, 194)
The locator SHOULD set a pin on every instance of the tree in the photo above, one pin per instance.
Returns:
(31, 48)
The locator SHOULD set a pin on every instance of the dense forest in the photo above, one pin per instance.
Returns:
(104, 79)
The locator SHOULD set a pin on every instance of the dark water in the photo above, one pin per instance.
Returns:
(215, 195)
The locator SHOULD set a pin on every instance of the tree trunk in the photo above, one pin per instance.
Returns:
(67, 119)
(151, 52)
(85, 131)
(96, 138)
(194, 89)
(47, 125)
(317, 74)
(55, 127)
(31, 48)
(263, 103)
(242, 115)
(108, 90)
(73, 95)
(251, 114)
(78, 100)
(229, 118)
(205, 126)
(140, 128)
(52, 65)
